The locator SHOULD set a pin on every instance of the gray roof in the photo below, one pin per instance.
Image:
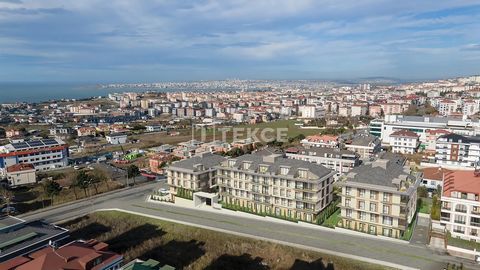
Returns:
(276, 161)
(387, 171)
(364, 140)
(321, 151)
(207, 160)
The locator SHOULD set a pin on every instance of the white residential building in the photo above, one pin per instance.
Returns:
(404, 142)
(453, 150)
(460, 212)
(311, 111)
(116, 138)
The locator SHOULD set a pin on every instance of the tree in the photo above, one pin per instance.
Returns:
(98, 176)
(422, 191)
(83, 181)
(52, 189)
(133, 172)
(5, 195)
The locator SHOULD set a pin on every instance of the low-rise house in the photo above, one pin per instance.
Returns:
(21, 174)
(404, 142)
(380, 197)
(76, 255)
(193, 174)
(277, 185)
(320, 141)
(154, 128)
(460, 211)
(117, 138)
(433, 178)
(365, 145)
(341, 161)
(86, 131)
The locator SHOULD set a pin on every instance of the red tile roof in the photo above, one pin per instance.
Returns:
(434, 173)
(461, 181)
(404, 133)
(78, 255)
(20, 167)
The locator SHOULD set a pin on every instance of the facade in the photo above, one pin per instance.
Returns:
(193, 174)
(311, 111)
(460, 212)
(380, 197)
(21, 174)
(78, 255)
(42, 154)
(454, 150)
(116, 138)
(446, 107)
(341, 161)
(420, 125)
(404, 142)
(366, 146)
(18, 237)
(276, 185)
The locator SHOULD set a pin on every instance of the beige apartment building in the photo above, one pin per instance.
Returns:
(276, 185)
(380, 197)
(193, 174)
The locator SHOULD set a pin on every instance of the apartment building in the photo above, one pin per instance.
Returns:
(446, 107)
(193, 174)
(380, 197)
(274, 184)
(420, 125)
(460, 212)
(404, 142)
(311, 111)
(433, 178)
(365, 145)
(341, 161)
(455, 150)
(42, 154)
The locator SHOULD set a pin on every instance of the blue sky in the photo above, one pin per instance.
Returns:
(129, 41)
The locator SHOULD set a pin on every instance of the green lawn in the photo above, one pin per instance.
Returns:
(332, 220)
(457, 242)
(426, 206)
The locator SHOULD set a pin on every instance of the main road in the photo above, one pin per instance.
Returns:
(134, 200)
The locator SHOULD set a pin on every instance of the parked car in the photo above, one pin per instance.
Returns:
(9, 210)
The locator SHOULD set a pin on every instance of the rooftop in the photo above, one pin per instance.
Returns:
(321, 151)
(388, 170)
(460, 181)
(276, 161)
(33, 144)
(20, 167)
(434, 173)
(207, 160)
(364, 140)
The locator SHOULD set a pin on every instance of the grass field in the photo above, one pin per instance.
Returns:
(332, 220)
(426, 206)
(188, 247)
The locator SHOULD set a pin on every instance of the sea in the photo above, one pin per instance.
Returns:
(41, 92)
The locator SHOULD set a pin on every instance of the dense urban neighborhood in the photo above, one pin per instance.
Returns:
(396, 164)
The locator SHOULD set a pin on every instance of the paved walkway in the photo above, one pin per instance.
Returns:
(420, 233)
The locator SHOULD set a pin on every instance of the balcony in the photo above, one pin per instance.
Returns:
(459, 221)
(447, 219)
(461, 210)
(474, 224)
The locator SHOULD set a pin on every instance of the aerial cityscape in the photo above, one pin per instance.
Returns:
(239, 135)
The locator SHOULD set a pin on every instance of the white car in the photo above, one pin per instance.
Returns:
(76, 168)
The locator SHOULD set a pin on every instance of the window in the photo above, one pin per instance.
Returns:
(347, 202)
(387, 220)
(284, 171)
(386, 209)
(348, 191)
(373, 218)
(263, 169)
(386, 197)
(373, 195)
(361, 205)
(363, 215)
(349, 213)
(302, 173)
(361, 193)
(246, 165)
(373, 207)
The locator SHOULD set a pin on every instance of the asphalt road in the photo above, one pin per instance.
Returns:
(133, 199)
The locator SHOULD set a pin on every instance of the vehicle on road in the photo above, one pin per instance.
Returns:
(9, 210)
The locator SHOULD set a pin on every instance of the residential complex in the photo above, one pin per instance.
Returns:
(380, 197)
(460, 212)
(275, 184)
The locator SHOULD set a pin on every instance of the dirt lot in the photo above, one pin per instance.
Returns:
(187, 247)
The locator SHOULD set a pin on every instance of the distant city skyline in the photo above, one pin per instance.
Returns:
(149, 41)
